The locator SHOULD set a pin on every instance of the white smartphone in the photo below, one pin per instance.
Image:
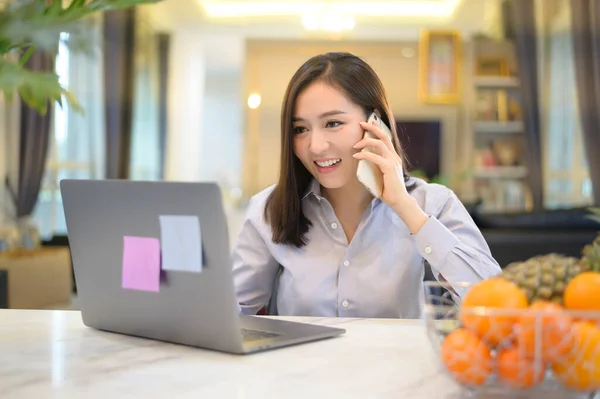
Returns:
(367, 172)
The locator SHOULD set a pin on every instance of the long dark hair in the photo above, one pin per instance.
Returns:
(359, 82)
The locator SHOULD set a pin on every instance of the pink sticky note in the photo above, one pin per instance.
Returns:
(141, 263)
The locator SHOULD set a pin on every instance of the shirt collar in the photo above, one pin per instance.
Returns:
(376, 201)
(314, 188)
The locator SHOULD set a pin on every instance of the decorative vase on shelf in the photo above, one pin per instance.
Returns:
(9, 238)
(29, 233)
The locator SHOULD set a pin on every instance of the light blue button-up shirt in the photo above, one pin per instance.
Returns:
(378, 274)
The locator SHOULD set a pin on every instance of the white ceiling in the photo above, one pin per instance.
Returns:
(172, 14)
(224, 38)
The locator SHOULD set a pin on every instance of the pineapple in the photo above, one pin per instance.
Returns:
(590, 256)
(590, 259)
(595, 213)
(543, 277)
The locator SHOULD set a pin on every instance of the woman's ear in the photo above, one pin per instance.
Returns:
(377, 113)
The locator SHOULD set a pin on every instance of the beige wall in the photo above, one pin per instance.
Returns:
(268, 69)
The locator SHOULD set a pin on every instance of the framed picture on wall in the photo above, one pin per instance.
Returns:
(440, 66)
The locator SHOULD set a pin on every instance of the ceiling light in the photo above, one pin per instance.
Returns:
(310, 22)
(328, 22)
(332, 22)
(348, 22)
(403, 8)
(256, 8)
(337, 23)
(254, 100)
(444, 8)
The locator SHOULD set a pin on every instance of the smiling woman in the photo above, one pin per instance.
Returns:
(337, 124)
(324, 105)
(320, 239)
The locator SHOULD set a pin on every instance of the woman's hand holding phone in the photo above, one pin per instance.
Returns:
(394, 193)
(382, 153)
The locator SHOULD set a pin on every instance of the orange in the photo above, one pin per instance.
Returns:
(580, 368)
(516, 370)
(548, 326)
(493, 296)
(583, 292)
(466, 357)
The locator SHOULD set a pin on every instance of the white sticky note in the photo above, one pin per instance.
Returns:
(181, 243)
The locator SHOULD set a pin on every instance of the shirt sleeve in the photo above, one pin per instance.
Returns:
(452, 244)
(254, 268)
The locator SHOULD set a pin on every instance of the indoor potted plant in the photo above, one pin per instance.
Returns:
(27, 26)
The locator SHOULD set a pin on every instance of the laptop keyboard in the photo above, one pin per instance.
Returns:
(254, 335)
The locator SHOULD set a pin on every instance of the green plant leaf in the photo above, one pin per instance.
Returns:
(26, 56)
(27, 24)
(54, 9)
(36, 22)
(36, 89)
(76, 3)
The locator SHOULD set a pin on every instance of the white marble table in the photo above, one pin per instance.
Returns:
(51, 354)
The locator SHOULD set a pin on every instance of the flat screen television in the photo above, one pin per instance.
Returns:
(421, 141)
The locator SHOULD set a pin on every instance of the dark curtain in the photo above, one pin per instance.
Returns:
(119, 41)
(163, 73)
(586, 50)
(34, 137)
(523, 17)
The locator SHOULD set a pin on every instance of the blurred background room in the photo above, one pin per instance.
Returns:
(493, 98)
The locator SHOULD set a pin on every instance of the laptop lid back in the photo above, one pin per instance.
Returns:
(113, 224)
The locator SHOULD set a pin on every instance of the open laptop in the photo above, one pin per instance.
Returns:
(190, 308)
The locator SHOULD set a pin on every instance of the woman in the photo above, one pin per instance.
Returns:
(320, 239)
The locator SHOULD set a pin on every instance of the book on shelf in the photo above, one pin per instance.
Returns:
(498, 105)
(499, 152)
(502, 195)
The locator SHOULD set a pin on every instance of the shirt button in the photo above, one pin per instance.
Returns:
(428, 249)
(346, 263)
(345, 303)
(334, 225)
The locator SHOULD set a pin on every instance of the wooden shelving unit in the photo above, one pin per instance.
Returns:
(496, 81)
(501, 172)
(515, 127)
(495, 136)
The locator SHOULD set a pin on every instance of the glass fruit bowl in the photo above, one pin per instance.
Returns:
(531, 352)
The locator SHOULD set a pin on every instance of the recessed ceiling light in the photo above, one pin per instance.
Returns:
(348, 22)
(310, 22)
(329, 22)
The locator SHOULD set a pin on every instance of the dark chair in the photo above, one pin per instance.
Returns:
(3, 289)
(520, 236)
(61, 241)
